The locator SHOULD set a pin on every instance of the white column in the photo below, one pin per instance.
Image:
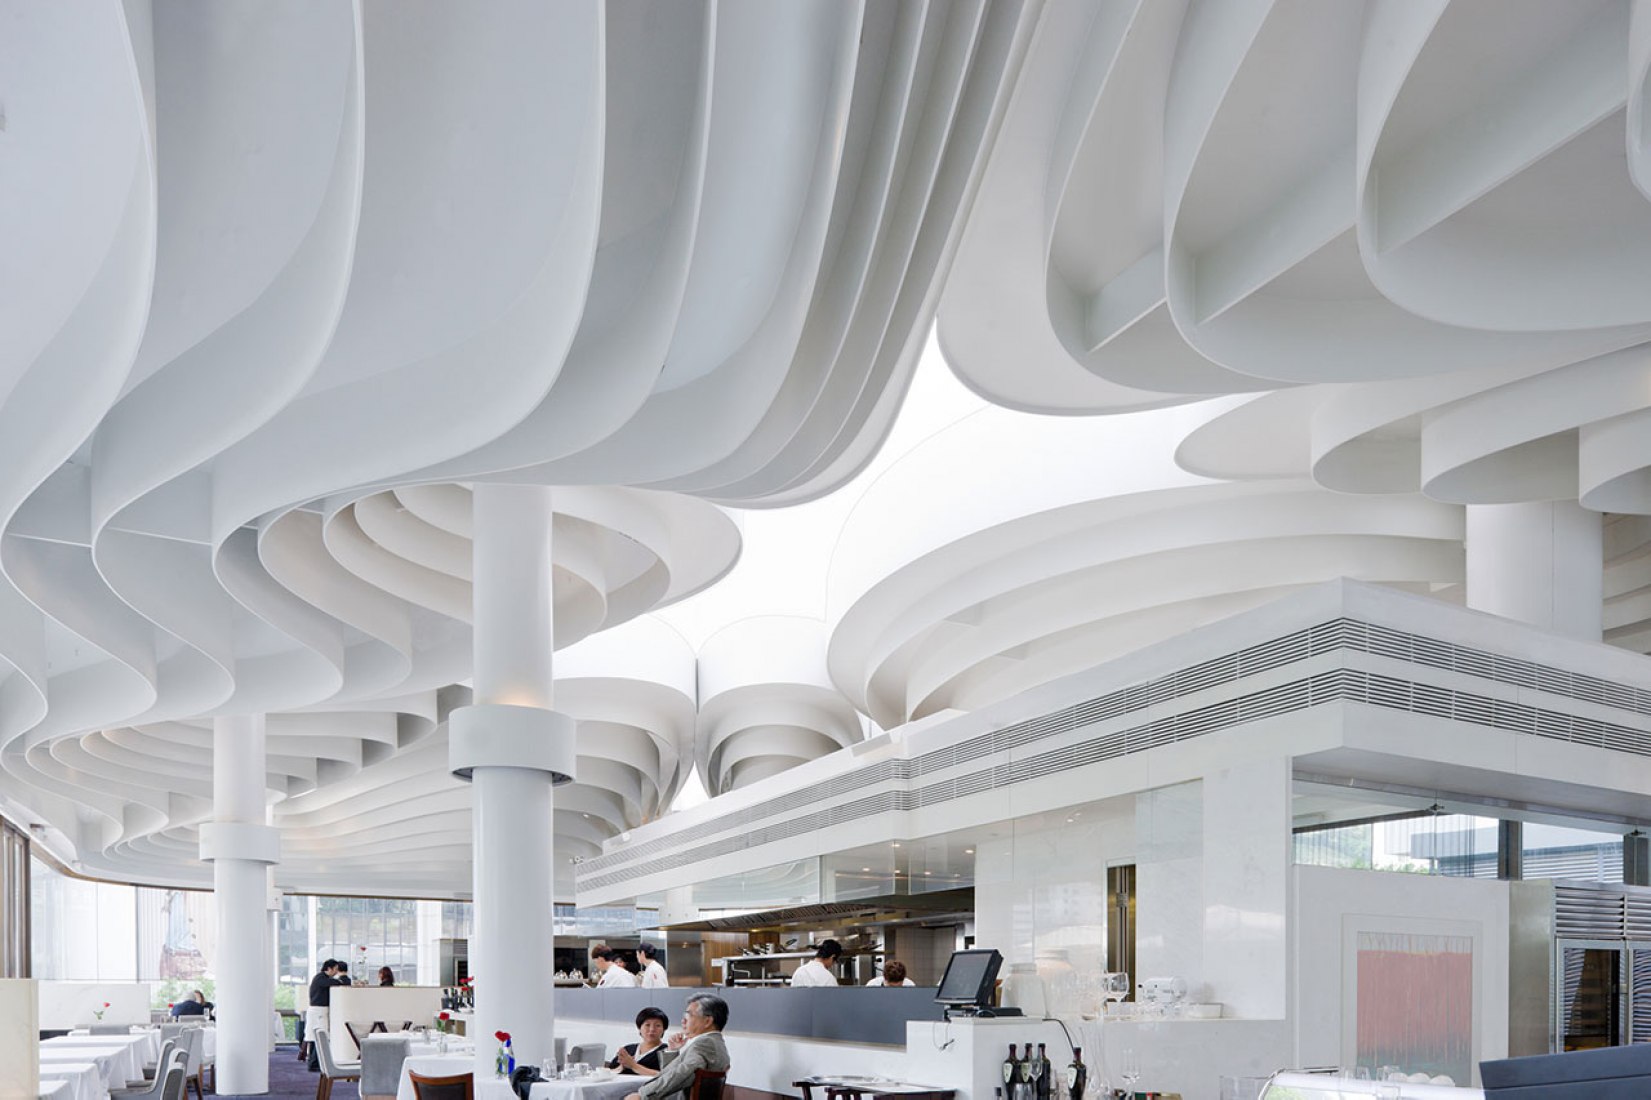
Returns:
(1540, 563)
(514, 748)
(241, 848)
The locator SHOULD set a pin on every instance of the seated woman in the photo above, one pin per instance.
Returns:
(386, 976)
(641, 1059)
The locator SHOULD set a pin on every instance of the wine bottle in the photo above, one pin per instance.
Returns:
(1077, 1075)
(1010, 1064)
(1042, 1070)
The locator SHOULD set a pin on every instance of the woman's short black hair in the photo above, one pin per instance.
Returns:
(647, 950)
(712, 1007)
(830, 949)
(652, 1013)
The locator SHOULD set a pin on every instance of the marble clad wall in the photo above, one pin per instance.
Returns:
(1040, 887)
(1247, 858)
(1212, 861)
(1169, 887)
(19, 1039)
(65, 1005)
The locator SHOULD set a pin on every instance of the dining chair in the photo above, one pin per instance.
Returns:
(708, 1084)
(158, 1069)
(381, 1060)
(590, 1054)
(169, 1059)
(110, 1029)
(193, 1041)
(458, 1087)
(155, 1079)
(357, 1028)
(176, 1086)
(330, 1070)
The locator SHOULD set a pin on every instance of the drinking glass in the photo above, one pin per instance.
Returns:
(1129, 1068)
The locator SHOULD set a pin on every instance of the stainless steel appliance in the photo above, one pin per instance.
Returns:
(1579, 966)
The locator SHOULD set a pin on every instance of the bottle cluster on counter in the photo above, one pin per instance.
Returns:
(1031, 1076)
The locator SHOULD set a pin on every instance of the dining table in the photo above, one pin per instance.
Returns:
(72, 1081)
(604, 1085)
(145, 1039)
(117, 1057)
(53, 1090)
(424, 1060)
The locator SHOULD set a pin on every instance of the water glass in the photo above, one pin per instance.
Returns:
(1129, 1068)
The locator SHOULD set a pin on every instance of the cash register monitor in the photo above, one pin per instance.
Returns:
(970, 979)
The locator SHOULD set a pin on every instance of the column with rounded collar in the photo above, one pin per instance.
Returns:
(514, 748)
(1540, 563)
(241, 847)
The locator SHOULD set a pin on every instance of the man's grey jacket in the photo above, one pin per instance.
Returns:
(706, 1051)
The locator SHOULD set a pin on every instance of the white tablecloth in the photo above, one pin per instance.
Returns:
(54, 1090)
(614, 1088)
(145, 1040)
(81, 1080)
(116, 1064)
(432, 1065)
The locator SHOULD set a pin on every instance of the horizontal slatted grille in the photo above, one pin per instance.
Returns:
(693, 843)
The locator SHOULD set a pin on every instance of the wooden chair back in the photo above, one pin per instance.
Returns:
(458, 1087)
(708, 1084)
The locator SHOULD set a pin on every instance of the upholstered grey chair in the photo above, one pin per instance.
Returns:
(381, 1060)
(169, 1059)
(192, 1040)
(590, 1054)
(174, 1086)
(330, 1070)
(153, 1089)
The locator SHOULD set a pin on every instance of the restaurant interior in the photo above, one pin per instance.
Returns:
(558, 552)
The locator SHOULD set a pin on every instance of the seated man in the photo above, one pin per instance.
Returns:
(193, 1005)
(699, 1045)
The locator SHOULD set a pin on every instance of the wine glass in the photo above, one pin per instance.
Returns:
(1034, 1068)
(1129, 1068)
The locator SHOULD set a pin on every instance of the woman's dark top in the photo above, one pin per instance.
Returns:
(191, 1007)
(650, 1059)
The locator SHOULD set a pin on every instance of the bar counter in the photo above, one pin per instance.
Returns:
(875, 1016)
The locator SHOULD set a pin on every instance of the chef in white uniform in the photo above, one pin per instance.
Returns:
(894, 973)
(614, 974)
(821, 969)
(653, 973)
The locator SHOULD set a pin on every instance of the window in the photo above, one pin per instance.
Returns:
(1423, 844)
(14, 902)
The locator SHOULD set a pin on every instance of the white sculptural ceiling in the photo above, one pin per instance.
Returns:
(282, 279)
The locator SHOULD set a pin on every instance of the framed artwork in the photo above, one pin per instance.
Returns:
(1410, 992)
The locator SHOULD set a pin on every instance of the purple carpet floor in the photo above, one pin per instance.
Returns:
(289, 1080)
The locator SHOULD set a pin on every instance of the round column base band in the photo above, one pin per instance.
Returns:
(240, 840)
(498, 735)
